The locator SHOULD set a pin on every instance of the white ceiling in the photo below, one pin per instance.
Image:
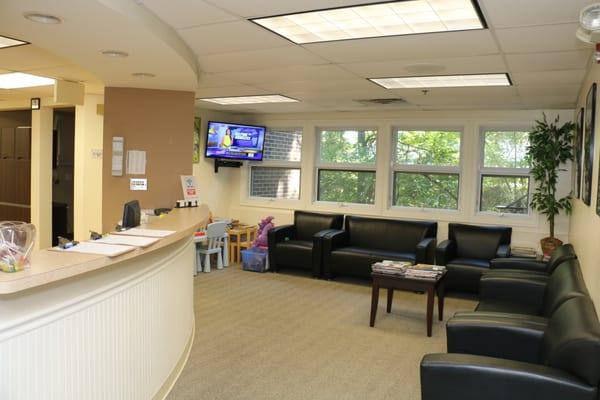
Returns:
(533, 40)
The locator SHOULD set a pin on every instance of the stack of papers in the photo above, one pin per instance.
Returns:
(419, 271)
(156, 233)
(137, 241)
(109, 250)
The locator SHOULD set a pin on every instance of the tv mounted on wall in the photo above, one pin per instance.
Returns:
(234, 141)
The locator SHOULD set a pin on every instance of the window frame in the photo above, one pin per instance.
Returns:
(432, 169)
(281, 164)
(483, 171)
(351, 167)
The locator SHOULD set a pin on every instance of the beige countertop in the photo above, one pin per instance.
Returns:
(50, 266)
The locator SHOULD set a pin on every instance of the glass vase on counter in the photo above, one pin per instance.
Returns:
(16, 242)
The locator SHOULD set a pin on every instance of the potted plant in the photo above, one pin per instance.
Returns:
(550, 146)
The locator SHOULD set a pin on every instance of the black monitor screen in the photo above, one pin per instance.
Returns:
(131, 214)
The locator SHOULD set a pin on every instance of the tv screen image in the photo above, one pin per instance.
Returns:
(234, 141)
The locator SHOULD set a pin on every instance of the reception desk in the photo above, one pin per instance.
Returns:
(79, 326)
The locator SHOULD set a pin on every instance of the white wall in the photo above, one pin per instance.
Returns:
(585, 223)
(526, 231)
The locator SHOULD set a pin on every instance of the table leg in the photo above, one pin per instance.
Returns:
(390, 297)
(430, 298)
(226, 250)
(374, 302)
(441, 292)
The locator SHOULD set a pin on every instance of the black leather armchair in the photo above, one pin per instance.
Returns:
(300, 245)
(516, 266)
(468, 251)
(365, 241)
(562, 360)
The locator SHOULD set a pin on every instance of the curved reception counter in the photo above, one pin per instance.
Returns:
(81, 326)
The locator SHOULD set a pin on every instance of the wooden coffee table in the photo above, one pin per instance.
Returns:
(399, 282)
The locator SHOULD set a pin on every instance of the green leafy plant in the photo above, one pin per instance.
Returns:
(550, 146)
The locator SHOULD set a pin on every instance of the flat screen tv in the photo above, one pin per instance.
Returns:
(234, 141)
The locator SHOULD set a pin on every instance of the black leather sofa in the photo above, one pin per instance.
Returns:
(364, 241)
(468, 252)
(300, 245)
(519, 360)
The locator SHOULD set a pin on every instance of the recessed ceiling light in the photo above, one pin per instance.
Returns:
(42, 18)
(143, 75)
(272, 98)
(114, 53)
(443, 81)
(6, 41)
(17, 80)
(376, 20)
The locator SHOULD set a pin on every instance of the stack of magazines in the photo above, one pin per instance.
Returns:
(420, 271)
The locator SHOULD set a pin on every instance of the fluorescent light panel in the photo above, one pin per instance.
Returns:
(18, 80)
(10, 42)
(375, 20)
(443, 81)
(274, 98)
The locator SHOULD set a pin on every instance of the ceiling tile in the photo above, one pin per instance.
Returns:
(258, 59)
(453, 44)
(318, 85)
(300, 72)
(548, 61)
(230, 37)
(549, 89)
(453, 65)
(546, 38)
(227, 91)
(543, 77)
(66, 72)
(27, 58)
(187, 13)
(510, 13)
(207, 80)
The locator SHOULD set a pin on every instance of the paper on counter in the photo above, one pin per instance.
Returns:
(109, 250)
(137, 241)
(156, 233)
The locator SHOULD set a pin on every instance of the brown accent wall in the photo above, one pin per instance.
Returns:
(160, 122)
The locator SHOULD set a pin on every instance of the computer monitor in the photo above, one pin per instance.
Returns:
(131, 214)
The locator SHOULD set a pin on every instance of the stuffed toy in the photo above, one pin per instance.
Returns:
(264, 227)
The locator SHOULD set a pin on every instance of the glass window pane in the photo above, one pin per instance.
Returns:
(426, 190)
(348, 146)
(440, 148)
(347, 186)
(283, 144)
(505, 149)
(505, 194)
(276, 183)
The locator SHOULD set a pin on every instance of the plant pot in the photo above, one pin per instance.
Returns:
(549, 245)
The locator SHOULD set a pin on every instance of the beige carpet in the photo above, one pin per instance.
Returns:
(287, 336)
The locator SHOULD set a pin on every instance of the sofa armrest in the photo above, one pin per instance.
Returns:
(317, 253)
(503, 251)
(332, 240)
(281, 233)
(469, 377)
(426, 251)
(515, 289)
(527, 264)
(445, 252)
(510, 338)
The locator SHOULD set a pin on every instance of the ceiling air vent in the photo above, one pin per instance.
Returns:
(381, 102)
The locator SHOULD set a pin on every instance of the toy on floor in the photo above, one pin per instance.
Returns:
(265, 225)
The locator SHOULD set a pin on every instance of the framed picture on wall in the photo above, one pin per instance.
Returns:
(578, 152)
(588, 154)
(196, 154)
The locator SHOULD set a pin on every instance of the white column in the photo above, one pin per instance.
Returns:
(87, 191)
(41, 175)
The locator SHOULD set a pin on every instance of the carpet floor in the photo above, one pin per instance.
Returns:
(288, 336)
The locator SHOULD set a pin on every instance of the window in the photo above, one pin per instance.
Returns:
(346, 165)
(426, 169)
(504, 174)
(278, 176)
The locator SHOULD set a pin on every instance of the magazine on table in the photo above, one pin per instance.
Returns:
(403, 268)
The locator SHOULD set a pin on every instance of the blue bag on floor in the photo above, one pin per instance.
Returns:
(255, 259)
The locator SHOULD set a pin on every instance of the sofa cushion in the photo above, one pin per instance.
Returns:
(295, 253)
(477, 243)
(473, 262)
(307, 223)
(506, 307)
(388, 234)
(565, 283)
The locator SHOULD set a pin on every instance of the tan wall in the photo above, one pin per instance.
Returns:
(159, 122)
(585, 223)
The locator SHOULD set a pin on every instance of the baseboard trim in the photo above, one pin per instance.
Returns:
(166, 388)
